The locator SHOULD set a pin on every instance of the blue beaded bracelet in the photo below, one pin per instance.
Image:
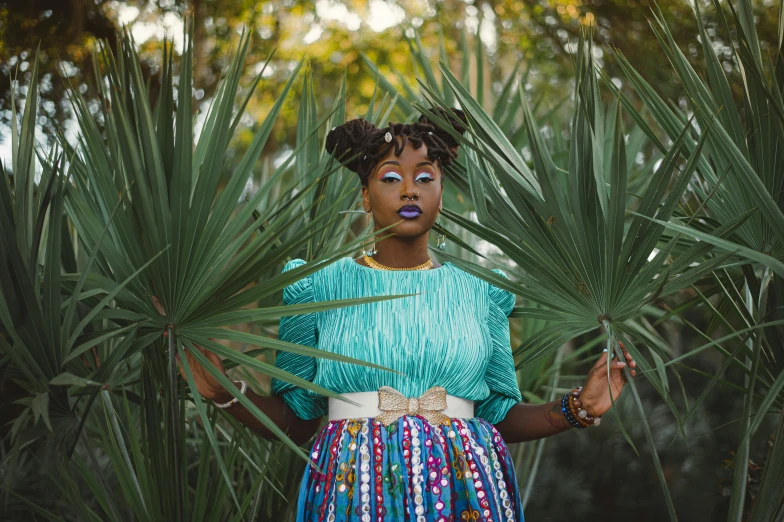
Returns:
(568, 414)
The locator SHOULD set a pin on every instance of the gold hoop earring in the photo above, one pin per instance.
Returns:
(372, 250)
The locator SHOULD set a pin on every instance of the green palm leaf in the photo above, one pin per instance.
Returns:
(740, 189)
(568, 231)
(171, 249)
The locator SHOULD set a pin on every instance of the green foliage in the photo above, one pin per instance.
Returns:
(172, 261)
(567, 230)
(161, 230)
(739, 176)
(43, 333)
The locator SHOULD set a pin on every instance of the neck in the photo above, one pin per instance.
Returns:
(402, 252)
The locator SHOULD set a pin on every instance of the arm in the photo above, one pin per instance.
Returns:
(274, 407)
(524, 422)
(299, 414)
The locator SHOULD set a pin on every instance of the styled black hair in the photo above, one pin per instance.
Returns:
(359, 136)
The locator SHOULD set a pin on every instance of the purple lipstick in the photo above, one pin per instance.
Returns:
(409, 211)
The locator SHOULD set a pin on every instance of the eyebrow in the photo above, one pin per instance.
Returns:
(392, 162)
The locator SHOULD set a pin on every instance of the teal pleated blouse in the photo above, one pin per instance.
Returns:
(455, 334)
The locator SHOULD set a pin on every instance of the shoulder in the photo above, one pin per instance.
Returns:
(497, 296)
(503, 298)
(304, 288)
(301, 290)
(337, 265)
(294, 263)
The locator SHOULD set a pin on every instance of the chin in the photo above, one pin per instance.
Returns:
(411, 228)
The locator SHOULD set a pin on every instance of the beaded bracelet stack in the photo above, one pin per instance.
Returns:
(574, 413)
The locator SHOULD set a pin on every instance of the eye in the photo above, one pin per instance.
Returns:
(425, 177)
(390, 177)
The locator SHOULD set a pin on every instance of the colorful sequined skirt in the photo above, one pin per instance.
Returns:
(409, 471)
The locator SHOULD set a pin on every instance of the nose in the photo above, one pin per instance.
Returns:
(409, 193)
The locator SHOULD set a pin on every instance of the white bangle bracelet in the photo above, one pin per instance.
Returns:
(243, 387)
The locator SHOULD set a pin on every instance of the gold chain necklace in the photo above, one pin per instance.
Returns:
(375, 264)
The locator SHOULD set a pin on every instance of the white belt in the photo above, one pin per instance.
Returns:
(387, 405)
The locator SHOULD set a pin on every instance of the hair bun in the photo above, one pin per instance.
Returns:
(348, 140)
(456, 118)
(359, 145)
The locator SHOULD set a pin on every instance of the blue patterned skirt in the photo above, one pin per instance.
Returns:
(409, 471)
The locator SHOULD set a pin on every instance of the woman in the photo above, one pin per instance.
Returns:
(426, 442)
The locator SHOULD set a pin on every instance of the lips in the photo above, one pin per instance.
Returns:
(409, 211)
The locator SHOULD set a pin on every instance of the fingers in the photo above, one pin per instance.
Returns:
(617, 365)
(179, 366)
(199, 370)
(617, 375)
(620, 365)
(213, 357)
(188, 359)
(193, 364)
(602, 361)
(616, 370)
(626, 353)
(629, 359)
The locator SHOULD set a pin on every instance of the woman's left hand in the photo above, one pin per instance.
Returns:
(595, 397)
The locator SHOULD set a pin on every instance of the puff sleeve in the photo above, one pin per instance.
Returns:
(500, 374)
(299, 329)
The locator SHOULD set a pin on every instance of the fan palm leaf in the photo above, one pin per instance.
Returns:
(739, 175)
(567, 231)
(44, 332)
(174, 257)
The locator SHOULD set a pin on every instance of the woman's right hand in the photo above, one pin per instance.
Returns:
(207, 385)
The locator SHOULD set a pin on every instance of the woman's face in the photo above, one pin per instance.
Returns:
(405, 188)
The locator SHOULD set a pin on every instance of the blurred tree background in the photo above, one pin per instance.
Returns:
(333, 34)
(593, 475)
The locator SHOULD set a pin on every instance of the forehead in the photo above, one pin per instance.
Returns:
(409, 154)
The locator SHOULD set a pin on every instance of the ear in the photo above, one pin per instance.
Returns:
(366, 199)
